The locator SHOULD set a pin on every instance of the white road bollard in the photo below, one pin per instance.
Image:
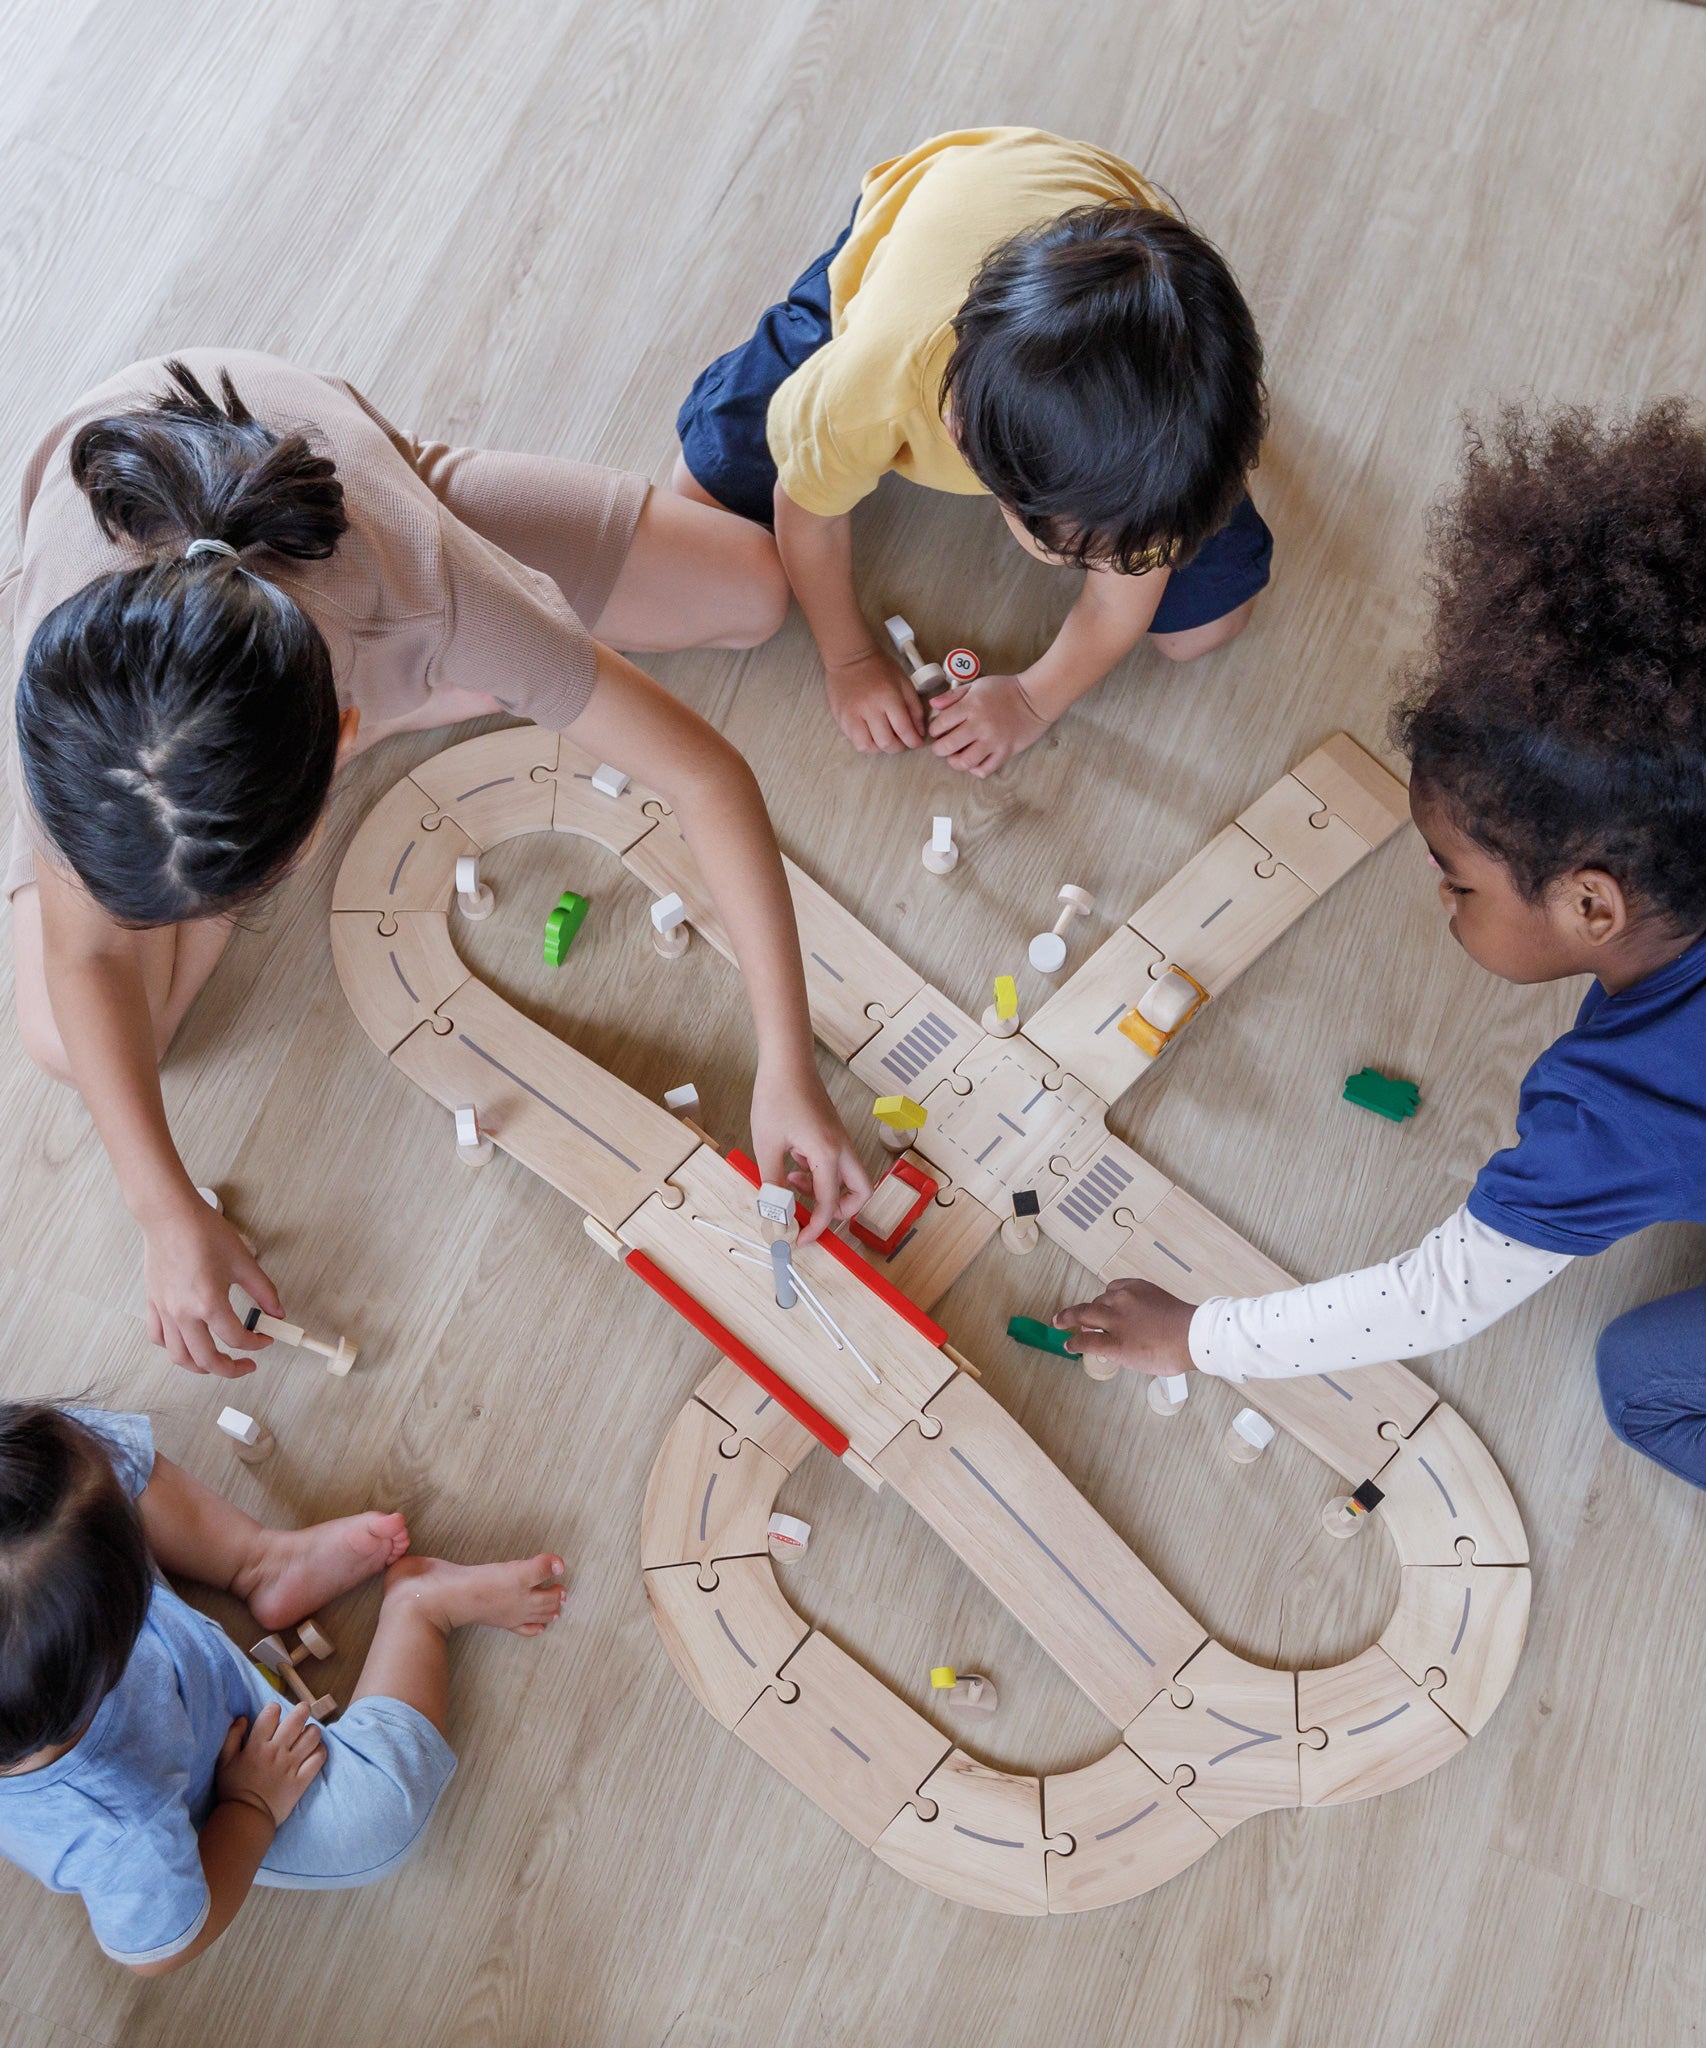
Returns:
(1168, 1394)
(1247, 1436)
(253, 1442)
(474, 898)
(473, 1147)
(941, 856)
(670, 931)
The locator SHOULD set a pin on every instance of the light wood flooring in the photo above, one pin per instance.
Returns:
(528, 225)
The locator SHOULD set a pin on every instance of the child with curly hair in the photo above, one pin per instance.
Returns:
(1557, 735)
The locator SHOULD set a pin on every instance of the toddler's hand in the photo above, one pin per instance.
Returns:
(271, 1769)
(1134, 1323)
(793, 1114)
(874, 704)
(979, 726)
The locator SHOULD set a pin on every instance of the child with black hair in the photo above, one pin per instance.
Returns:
(234, 575)
(1557, 735)
(1014, 313)
(144, 1762)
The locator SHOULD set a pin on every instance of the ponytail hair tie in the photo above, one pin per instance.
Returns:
(197, 548)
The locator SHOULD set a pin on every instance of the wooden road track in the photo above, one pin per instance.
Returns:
(1002, 1113)
(529, 227)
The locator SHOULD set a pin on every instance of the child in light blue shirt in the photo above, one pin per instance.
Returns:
(144, 1762)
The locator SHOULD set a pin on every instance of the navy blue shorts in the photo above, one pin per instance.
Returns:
(721, 421)
(721, 426)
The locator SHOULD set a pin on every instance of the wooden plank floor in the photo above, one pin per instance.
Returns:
(527, 226)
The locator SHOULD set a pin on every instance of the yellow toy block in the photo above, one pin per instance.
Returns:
(899, 1112)
(1006, 997)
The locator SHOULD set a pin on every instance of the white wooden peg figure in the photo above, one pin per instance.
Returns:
(474, 898)
(670, 932)
(253, 1442)
(929, 678)
(1247, 1436)
(1048, 949)
(941, 855)
(1168, 1393)
(473, 1147)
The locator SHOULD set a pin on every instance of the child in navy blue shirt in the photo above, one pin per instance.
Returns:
(1557, 734)
(144, 1762)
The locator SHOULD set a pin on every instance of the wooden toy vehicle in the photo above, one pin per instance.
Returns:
(283, 1664)
(1166, 1008)
(893, 1207)
(874, 1382)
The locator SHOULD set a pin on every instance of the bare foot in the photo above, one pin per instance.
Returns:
(525, 1594)
(297, 1570)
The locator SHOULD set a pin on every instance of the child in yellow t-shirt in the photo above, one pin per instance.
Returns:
(1009, 312)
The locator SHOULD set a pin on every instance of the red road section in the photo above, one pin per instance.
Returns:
(732, 1348)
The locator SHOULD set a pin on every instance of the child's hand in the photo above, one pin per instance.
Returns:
(875, 704)
(980, 726)
(793, 1114)
(271, 1769)
(1134, 1323)
(191, 1260)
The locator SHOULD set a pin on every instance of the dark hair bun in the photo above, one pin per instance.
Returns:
(196, 468)
(177, 722)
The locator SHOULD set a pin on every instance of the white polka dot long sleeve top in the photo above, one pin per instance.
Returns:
(1459, 1279)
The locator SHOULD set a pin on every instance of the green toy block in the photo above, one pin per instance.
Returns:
(1385, 1096)
(1040, 1336)
(562, 924)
